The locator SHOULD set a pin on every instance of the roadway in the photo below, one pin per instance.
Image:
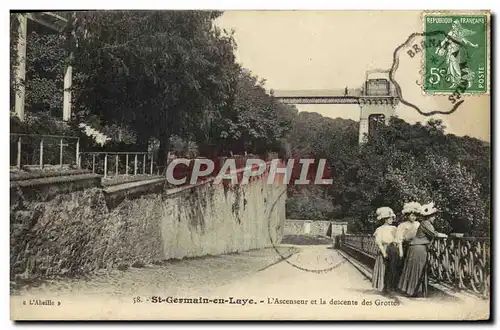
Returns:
(316, 283)
(343, 284)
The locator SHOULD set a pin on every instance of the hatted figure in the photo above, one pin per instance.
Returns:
(408, 228)
(414, 278)
(385, 270)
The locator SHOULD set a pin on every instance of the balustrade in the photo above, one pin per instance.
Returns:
(463, 263)
(39, 151)
(113, 164)
(460, 262)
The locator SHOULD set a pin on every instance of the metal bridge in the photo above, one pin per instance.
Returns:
(319, 96)
(376, 98)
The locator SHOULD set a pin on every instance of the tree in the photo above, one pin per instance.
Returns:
(400, 163)
(160, 73)
(45, 63)
(141, 75)
(308, 204)
(256, 121)
(459, 197)
(417, 162)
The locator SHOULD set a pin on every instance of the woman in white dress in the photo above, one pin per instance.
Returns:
(386, 263)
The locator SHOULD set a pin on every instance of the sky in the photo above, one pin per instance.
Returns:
(295, 50)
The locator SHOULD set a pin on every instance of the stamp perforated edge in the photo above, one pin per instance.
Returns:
(487, 13)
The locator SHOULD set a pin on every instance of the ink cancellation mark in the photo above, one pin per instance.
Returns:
(411, 48)
(456, 61)
(322, 263)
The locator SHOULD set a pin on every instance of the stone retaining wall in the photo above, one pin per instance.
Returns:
(81, 231)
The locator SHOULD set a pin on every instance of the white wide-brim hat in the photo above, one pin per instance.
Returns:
(412, 207)
(428, 209)
(384, 213)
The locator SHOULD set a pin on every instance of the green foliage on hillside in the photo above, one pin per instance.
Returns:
(400, 163)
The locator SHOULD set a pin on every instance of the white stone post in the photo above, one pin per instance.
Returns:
(68, 77)
(21, 66)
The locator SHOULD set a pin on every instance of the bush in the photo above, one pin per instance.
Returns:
(400, 163)
(42, 123)
(307, 205)
(414, 163)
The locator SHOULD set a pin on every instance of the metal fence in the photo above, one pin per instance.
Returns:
(364, 243)
(34, 150)
(460, 262)
(114, 164)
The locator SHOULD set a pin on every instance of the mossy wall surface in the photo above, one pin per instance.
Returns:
(81, 231)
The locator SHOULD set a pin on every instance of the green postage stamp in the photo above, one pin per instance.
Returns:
(456, 53)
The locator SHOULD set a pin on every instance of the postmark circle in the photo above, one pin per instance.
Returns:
(320, 259)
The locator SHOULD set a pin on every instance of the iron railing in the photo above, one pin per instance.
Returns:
(40, 150)
(462, 263)
(364, 243)
(113, 164)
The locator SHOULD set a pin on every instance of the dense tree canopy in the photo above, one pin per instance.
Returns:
(153, 75)
(400, 163)
(158, 73)
(256, 120)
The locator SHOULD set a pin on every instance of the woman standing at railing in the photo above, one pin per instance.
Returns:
(408, 228)
(414, 279)
(385, 269)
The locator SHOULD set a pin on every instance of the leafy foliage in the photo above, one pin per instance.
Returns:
(401, 163)
(45, 65)
(161, 73)
(255, 122)
(309, 204)
(142, 75)
(42, 124)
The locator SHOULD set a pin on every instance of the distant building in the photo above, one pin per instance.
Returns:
(314, 227)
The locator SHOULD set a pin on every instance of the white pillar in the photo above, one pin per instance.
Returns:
(68, 77)
(21, 66)
(368, 108)
(363, 129)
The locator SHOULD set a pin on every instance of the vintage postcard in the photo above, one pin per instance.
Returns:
(250, 165)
